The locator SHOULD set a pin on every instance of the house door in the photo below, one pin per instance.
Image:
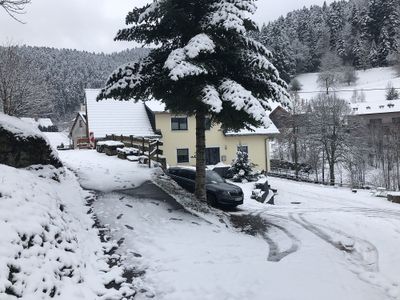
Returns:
(212, 156)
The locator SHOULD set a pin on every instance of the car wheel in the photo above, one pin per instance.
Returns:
(211, 199)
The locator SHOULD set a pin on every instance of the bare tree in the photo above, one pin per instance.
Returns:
(22, 91)
(349, 75)
(14, 7)
(329, 127)
(330, 70)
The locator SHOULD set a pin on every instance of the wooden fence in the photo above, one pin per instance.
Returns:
(149, 147)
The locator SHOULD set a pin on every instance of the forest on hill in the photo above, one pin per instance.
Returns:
(362, 33)
(49, 82)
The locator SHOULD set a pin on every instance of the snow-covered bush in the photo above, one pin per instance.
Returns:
(242, 168)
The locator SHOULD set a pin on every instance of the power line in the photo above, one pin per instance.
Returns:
(348, 90)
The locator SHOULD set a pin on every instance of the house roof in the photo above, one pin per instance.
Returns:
(80, 115)
(43, 122)
(270, 130)
(383, 107)
(111, 116)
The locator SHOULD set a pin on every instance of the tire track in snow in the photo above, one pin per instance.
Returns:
(362, 255)
(256, 225)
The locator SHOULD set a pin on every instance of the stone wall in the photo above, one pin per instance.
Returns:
(21, 152)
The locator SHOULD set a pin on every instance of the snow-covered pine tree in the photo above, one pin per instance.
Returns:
(204, 64)
(242, 169)
(275, 39)
(391, 92)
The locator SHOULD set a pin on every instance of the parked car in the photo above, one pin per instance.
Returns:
(219, 192)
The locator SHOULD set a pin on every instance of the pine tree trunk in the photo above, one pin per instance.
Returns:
(200, 190)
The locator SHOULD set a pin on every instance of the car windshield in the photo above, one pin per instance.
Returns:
(213, 177)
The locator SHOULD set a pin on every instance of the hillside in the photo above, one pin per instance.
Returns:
(362, 33)
(49, 82)
(372, 82)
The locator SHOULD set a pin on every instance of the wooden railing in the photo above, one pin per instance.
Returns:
(149, 147)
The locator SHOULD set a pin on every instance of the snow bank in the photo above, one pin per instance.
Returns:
(48, 247)
(22, 145)
(18, 127)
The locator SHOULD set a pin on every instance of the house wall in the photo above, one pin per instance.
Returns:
(258, 145)
(78, 132)
(386, 118)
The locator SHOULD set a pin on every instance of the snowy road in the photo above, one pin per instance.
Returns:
(362, 231)
(316, 243)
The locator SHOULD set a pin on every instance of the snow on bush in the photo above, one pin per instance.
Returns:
(48, 246)
(242, 168)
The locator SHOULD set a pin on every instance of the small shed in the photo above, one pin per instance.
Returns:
(79, 130)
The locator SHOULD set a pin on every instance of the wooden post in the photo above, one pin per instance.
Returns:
(149, 153)
(122, 138)
(131, 138)
(158, 142)
(142, 146)
(113, 137)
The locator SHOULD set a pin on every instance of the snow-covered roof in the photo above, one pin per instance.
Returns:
(156, 106)
(271, 129)
(43, 122)
(82, 115)
(110, 116)
(382, 107)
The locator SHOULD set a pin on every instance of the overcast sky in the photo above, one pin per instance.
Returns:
(92, 24)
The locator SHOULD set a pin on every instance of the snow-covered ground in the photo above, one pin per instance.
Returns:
(105, 173)
(316, 243)
(57, 138)
(48, 246)
(372, 81)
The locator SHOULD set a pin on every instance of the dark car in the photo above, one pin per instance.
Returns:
(218, 190)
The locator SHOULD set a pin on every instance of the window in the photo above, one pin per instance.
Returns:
(396, 120)
(179, 123)
(375, 122)
(243, 148)
(182, 156)
(80, 124)
(208, 123)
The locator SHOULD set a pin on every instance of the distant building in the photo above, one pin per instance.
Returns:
(79, 129)
(378, 113)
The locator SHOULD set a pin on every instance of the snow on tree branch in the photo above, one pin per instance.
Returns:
(127, 77)
(152, 8)
(210, 96)
(243, 99)
(230, 14)
(260, 61)
(200, 43)
(177, 64)
(257, 47)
